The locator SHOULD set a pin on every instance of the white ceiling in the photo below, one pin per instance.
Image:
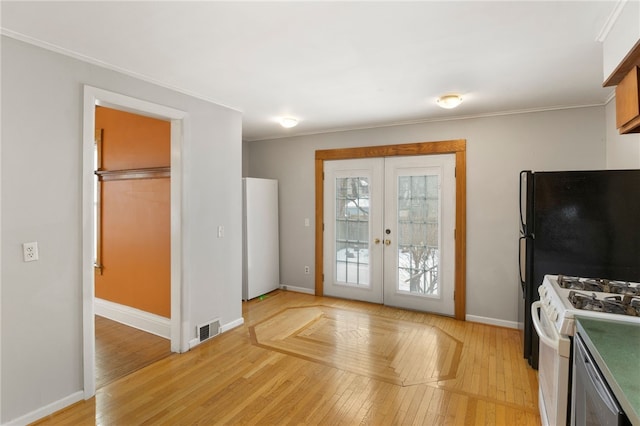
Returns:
(338, 65)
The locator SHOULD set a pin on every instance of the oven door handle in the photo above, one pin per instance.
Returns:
(551, 341)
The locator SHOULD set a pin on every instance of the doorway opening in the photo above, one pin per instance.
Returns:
(94, 97)
(458, 150)
(132, 242)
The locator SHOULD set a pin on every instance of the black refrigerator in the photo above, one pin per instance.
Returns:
(577, 223)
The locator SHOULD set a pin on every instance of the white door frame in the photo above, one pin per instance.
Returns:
(92, 97)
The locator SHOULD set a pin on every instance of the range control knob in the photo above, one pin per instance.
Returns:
(545, 299)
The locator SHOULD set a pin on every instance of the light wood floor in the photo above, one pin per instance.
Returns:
(301, 359)
(121, 350)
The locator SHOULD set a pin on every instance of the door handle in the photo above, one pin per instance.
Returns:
(552, 341)
(376, 241)
(387, 242)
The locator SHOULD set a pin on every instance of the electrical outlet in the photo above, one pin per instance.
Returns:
(30, 251)
(307, 270)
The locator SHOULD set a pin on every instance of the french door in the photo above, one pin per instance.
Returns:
(353, 230)
(389, 231)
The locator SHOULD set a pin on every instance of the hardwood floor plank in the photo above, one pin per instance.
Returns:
(302, 359)
(308, 403)
(388, 398)
(327, 398)
(423, 408)
(121, 349)
(399, 417)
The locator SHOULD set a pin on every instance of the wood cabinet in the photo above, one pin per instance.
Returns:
(628, 103)
(626, 78)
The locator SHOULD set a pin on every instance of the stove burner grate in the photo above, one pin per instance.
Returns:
(623, 305)
(598, 284)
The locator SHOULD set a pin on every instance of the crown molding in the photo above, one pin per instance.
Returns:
(611, 20)
(434, 120)
(91, 60)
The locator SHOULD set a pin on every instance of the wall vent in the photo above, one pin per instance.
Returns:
(208, 330)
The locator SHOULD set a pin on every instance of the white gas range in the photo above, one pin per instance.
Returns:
(562, 298)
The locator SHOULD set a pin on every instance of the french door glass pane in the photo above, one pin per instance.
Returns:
(418, 234)
(352, 231)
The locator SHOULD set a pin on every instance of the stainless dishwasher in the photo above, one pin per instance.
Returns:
(593, 402)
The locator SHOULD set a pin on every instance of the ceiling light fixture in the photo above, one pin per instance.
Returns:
(449, 101)
(288, 122)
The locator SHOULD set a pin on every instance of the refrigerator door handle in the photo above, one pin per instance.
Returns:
(523, 225)
(522, 281)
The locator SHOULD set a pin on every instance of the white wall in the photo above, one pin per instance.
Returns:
(622, 36)
(498, 148)
(41, 180)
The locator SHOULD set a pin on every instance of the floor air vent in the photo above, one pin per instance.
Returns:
(208, 330)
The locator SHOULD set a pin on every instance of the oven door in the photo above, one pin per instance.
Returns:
(593, 402)
(553, 369)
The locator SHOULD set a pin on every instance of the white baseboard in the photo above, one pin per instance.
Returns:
(46, 410)
(223, 328)
(472, 318)
(298, 289)
(492, 321)
(145, 321)
(233, 324)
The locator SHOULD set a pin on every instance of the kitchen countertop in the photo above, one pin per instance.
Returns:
(615, 346)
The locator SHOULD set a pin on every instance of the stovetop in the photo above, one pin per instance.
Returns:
(599, 285)
(620, 305)
(565, 297)
(623, 297)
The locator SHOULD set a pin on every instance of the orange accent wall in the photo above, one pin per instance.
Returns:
(135, 213)
(133, 141)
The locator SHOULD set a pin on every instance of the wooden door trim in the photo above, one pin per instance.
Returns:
(457, 147)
